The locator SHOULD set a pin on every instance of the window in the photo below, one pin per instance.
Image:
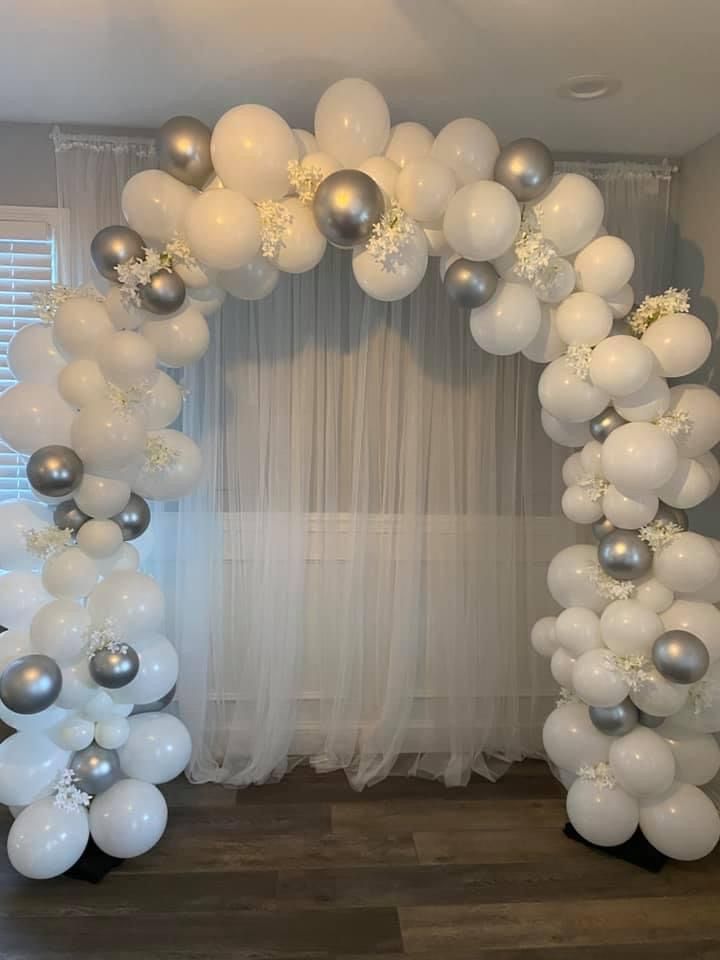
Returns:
(28, 264)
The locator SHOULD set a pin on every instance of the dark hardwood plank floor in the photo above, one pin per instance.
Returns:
(306, 869)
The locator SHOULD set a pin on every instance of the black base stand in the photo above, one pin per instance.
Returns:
(94, 865)
(636, 850)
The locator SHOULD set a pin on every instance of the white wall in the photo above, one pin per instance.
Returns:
(27, 165)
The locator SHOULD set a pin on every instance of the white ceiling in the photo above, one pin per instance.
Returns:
(137, 62)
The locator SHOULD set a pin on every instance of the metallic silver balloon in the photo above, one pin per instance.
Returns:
(30, 684)
(54, 471)
(113, 246)
(602, 527)
(680, 656)
(134, 518)
(114, 669)
(68, 516)
(615, 721)
(155, 706)
(164, 294)
(525, 167)
(624, 556)
(670, 514)
(470, 283)
(183, 145)
(96, 769)
(347, 206)
(604, 423)
(648, 720)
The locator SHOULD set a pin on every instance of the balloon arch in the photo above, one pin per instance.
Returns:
(86, 669)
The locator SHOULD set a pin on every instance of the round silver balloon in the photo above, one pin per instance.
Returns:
(604, 423)
(164, 294)
(96, 769)
(602, 527)
(470, 283)
(525, 167)
(648, 720)
(113, 669)
(615, 721)
(624, 556)
(680, 656)
(668, 514)
(155, 706)
(30, 684)
(347, 205)
(134, 518)
(54, 471)
(183, 145)
(113, 246)
(68, 516)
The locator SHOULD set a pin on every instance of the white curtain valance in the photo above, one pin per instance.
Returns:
(141, 147)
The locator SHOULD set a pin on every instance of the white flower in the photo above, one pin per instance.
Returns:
(105, 637)
(123, 400)
(389, 236)
(136, 273)
(46, 542)
(595, 486)
(677, 423)
(275, 221)
(159, 455)
(600, 774)
(661, 305)
(659, 533)
(178, 251)
(66, 795)
(48, 301)
(634, 669)
(566, 696)
(607, 586)
(305, 180)
(533, 252)
(577, 357)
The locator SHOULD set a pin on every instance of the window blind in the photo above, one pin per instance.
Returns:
(26, 267)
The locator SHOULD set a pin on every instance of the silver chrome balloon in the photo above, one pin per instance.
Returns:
(96, 769)
(525, 167)
(648, 720)
(668, 514)
(680, 656)
(604, 423)
(114, 669)
(30, 684)
(134, 518)
(183, 145)
(624, 556)
(113, 246)
(615, 721)
(54, 471)
(164, 294)
(470, 283)
(68, 516)
(155, 706)
(602, 527)
(347, 205)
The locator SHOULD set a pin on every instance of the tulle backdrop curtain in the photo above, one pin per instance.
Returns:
(355, 578)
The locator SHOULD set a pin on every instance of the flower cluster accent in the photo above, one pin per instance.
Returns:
(577, 357)
(702, 695)
(659, 533)
(533, 252)
(46, 542)
(607, 586)
(600, 774)
(304, 180)
(661, 305)
(158, 455)
(677, 423)
(123, 400)
(566, 696)
(389, 236)
(48, 302)
(105, 637)
(595, 486)
(178, 251)
(275, 221)
(136, 273)
(634, 669)
(66, 795)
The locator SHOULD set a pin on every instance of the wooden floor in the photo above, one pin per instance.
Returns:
(307, 869)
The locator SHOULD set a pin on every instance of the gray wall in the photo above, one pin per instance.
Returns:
(27, 165)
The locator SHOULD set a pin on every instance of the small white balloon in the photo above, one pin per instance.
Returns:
(628, 628)
(596, 682)
(306, 142)
(223, 229)
(566, 396)
(602, 816)
(557, 283)
(126, 359)
(254, 281)
(564, 432)
(689, 485)
(59, 630)
(207, 300)
(622, 302)
(302, 245)
(569, 578)
(179, 340)
(543, 638)
(583, 318)
(658, 696)
(77, 686)
(79, 325)
(652, 594)
(33, 356)
(469, 147)
(22, 594)
(162, 403)
(629, 513)
(101, 497)
(577, 629)
(99, 539)
(99, 707)
(571, 740)
(33, 415)
(591, 458)
(482, 220)
(702, 406)
(178, 476)
(13, 644)
(437, 242)
(621, 365)
(648, 403)
(398, 279)
(154, 204)
(639, 457)
(579, 505)
(112, 733)
(561, 668)
(133, 600)
(683, 824)
(158, 748)
(547, 344)
(697, 755)
(70, 574)
(128, 819)
(385, 174)
(643, 763)
(572, 469)
(572, 211)
(195, 275)
(604, 266)
(73, 732)
(680, 342)
(82, 382)
(508, 322)
(407, 142)
(45, 840)
(687, 563)
(158, 673)
(424, 189)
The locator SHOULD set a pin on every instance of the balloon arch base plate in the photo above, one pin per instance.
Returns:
(636, 851)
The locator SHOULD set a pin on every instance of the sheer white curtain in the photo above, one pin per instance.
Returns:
(355, 578)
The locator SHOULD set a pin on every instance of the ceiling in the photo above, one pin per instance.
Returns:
(138, 62)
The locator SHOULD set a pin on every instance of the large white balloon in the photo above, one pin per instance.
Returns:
(112, 732)
(508, 321)
(569, 578)
(33, 356)
(604, 266)
(603, 816)
(302, 246)
(17, 518)
(481, 220)
(583, 318)
(570, 739)
(396, 278)
(70, 574)
(126, 359)
(469, 147)
(647, 403)
(577, 630)
(21, 595)
(639, 457)
(698, 617)
(178, 476)
(570, 212)
(59, 630)
(108, 438)
(33, 415)
(621, 365)
(689, 485)
(630, 629)
(652, 594)
(408, 141)
(596, 682)
(680, 342)
(683, 824)
(564, 432)
(579, 505)
(223, 229)
(79, 326)
(251, 148)
(658, 697)
(158, 671)
(128, 819)
(29, 764)
(352, 121)
(133, 600)
(629, 513)
(547, 344)
(157, 749)
(697, 755)
(385, 174)
(254, 281)
(207, 300)
(702, 405)
(566, 396)
(154, 204)
(424, 189)
(642, 763)
(101, 497)
(181, 339)
(82, 382)
(45, 840)
(687, 563)
(99, 539)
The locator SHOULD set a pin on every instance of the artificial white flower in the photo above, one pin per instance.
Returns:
(634, 669)
(607, 586)
(275, 221)
(124, 399)
(66, 795)
(566, 696)
(596, 487)
(158, 455)
(661, 305)
(304, 180)
(389, 236)
(137, 273)
(677, 423)
(577, 357)
(659, 533)
(46, 542)
(533, 252)
(600, 774)
(105, 637)
(48, 301)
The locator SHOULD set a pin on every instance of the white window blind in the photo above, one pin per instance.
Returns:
(27, 256)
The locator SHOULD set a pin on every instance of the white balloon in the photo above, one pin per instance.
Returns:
(561, 668)
(126, 359)
(566, 396)
(571, 740)
(161, 404)
(321, 163)
(58, 630)
(547, 344)
(570, 212)
(681, 343)
(302, 246)
(79, 325)
(697, 617)
(254, 281)
(99, 539)
(18, 517)
(112, 733)
(569, 578)
(602, 816)
(33, 356)
(572, 469)
(481, 220)
(195, 275)
(563, 432)
(469, 148)
(578, 630)
(424, 189)
(306, 142)
(133, 600)
(604, 266)
(33, 415)
(21, 595)
(352, 121)
(126, 558)
(697, 756)
(630, 629)
(36, 722)
(687, 563)
(82, 382)
(73, 732)
(106, 438)
(682, 824)
(408, 141)
(123, 316)
(596, 682)
(583, 318)
(154, 204)
(99, 707)
(13, 644)
(579, 505)
(622, 302)
(658, 697)
(77, 686)
(652, 594)
(158, 748)
(45, 840)
(385, 174)
(709, 462)
(508, 322)
(179, 476)
(557, 283)
(629, 513)
(223, 229)
(101, 497)
(591, 458)
(70, 574)
(179, 340)
(158, 671)
(207, 300)
(397, 279)
(128, 819)
(438, 245)
(543, 638)
(642, 763)
(689, 485)
(621, 365)
(29, 764)
(639, 457)
(702, 405)
(648, 403)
